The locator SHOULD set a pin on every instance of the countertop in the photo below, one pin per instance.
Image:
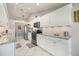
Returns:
(66, 38)
(5, 40)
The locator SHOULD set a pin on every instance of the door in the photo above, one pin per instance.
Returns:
(19, 30)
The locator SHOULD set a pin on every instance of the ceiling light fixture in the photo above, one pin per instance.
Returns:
(29, 8)
(37, 3)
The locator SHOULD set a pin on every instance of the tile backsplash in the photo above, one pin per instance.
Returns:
(57, 30)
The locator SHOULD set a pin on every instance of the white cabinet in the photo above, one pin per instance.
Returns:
(3, 15)
(52, 18)
(63, 15)
(38, 40)
(59, 17)
(60, 47)
(44, 21)
(50, 45)
(41, 41)
(55, 46)
(46, 43)
(7, 49)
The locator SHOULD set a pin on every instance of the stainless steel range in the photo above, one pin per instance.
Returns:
(34, 40)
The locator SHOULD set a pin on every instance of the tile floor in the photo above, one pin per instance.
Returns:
(25, 51)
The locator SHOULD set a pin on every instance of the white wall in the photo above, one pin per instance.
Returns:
(75, 34)
(7, 49)
(75, 39)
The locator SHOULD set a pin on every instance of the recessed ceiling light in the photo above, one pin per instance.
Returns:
(37, 3)
(29, 8)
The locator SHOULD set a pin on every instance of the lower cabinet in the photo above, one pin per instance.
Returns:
(55, 46)
(40, 41)
(50, 45)
(60, 48)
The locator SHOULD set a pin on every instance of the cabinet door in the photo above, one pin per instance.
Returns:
(63, 15)
(44, 21)
(52, 18)
(46, 43)
(51, 45)
(47, 20)
(60, 47)
(40, 41)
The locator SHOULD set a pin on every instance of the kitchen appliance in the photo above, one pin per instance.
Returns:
(66, 34)
(30, 36)
(34, 40)
(27, 28)
(39, 31)
(37, 25)
(34, 36)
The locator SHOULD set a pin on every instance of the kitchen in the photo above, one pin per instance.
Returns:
(47, 30)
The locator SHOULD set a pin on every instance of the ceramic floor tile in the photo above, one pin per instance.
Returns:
(25, 51)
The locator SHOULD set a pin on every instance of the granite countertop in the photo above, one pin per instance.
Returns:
(66, 38)
(5, 40)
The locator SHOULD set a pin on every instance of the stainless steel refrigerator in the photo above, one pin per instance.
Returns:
(27, 28)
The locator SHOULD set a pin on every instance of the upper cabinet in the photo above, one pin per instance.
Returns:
(52, 18)
(3, 15)
(63, 15)
(44, 21)
(59, 17)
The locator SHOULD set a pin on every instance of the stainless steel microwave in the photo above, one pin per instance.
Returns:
(37, 24)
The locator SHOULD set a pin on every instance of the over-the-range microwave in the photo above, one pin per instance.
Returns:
(37, 24)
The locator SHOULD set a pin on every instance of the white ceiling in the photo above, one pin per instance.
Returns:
(24, 10)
